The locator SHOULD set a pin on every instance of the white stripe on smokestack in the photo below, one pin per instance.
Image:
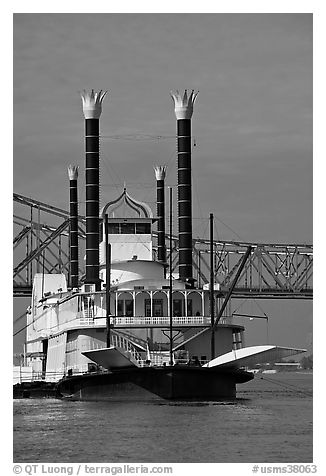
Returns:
(183, 108)
(73, 234)
(160, 172)
(92, 108)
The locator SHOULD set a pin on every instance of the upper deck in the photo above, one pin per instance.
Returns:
(146, 308)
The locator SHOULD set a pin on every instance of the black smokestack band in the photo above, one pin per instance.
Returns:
(184, 198)
(160, 208)
(74, 255)
(183, 108)
(92, 200)
(161, 221)
(92, 108)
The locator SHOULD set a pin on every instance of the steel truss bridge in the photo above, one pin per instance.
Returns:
(272, 270)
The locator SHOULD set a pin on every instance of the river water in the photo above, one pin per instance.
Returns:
(270, 421)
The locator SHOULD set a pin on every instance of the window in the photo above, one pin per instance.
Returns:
(237, 340)
(125, 307)
(143, 228)
(114, 228)
(129, 307)
(127, 228)
(120, 307)
(157, 307)
(147, 307)
(177, 307)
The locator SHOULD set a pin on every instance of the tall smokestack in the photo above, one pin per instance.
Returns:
(160, 172)
(73, 235)
(183, 108)
(92, 108)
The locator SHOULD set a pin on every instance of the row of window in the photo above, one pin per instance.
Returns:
(126, 308)
(129, 228)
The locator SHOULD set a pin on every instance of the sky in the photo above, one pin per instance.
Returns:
(252, 121)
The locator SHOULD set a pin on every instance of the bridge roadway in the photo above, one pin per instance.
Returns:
(25, 290)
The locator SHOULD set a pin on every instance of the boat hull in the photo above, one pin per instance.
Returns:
(153, 383)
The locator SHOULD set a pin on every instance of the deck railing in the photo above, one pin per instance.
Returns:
(160, 320)
(118, 321)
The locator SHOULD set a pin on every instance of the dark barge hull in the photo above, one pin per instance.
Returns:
(152, 383)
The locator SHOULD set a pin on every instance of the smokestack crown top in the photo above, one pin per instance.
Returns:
(73, 172)
(183, 104)
(160, 171)
(92, 103)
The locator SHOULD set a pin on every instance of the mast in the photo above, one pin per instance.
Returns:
(211, 287)
(183, 108)
(108, 281)
(92, 108)
(233, 284)
(170, 281)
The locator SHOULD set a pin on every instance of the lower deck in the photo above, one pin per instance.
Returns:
(51, 359)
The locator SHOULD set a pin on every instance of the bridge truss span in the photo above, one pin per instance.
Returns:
(274, 271)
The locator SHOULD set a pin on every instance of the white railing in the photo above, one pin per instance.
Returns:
(121, 321)
(163, 320)
(81, 321)
(121, 341)
(86, 321)
(34, 376)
